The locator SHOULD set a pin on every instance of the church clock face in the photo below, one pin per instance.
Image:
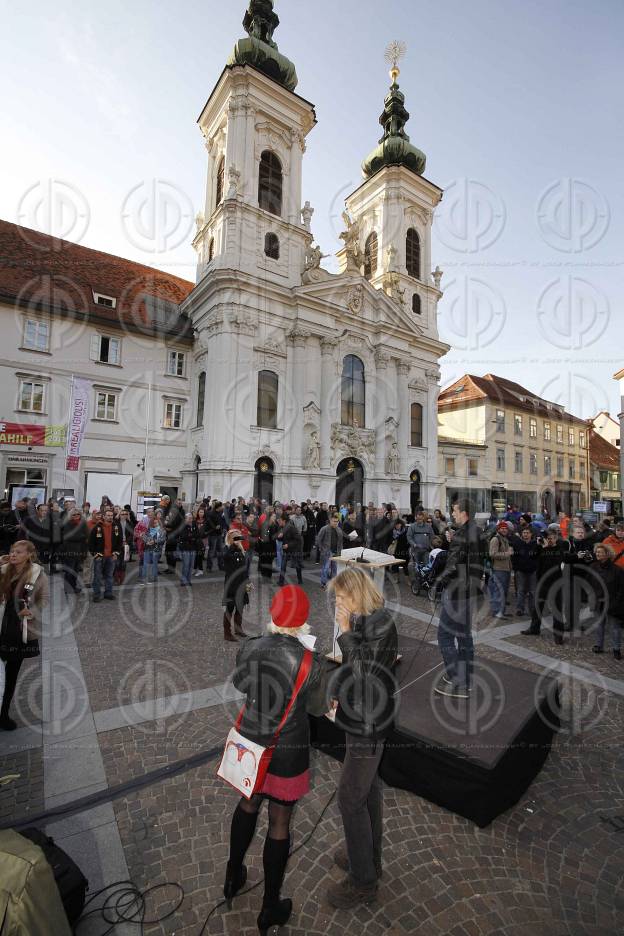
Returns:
(264, 466)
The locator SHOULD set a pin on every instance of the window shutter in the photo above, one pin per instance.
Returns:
(95, 347)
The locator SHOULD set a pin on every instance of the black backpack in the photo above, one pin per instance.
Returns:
(70, 880)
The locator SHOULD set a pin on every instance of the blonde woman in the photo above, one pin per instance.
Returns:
(365, 690)
(23, 594)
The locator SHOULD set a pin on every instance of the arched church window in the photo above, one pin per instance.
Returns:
(220, 181)
(201, 398)
(272, 246)
(371, 248)
(211, 250)
(412, 251)
(416, 304)
(416, 425)
(353, 392)
(268, 386)
(270, 183)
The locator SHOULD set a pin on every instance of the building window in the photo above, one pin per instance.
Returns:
(546, 432)
(201, 398)
(560, 466)
(268, 387)
(416, 304)
(570, 436)
(106, 405)
(533, 463)
(36, 335)
(220, 181)
(582, 439)
(270, 183)
(518, 425)
(211, 250)
(30, 396)
(173, 415)
(416, 425)
(604, 478)
(108, 301)
(412, 253)
(473, 467)
(175, 363)
(532, 428)
(500, 459)
(272, 246)
(450, 467)
(105, 349)
(353, 402)
(518, 462)
(560, 435)
(571, 469)
(547, 465)
(582, 470)
(500, 420)
(371, 250)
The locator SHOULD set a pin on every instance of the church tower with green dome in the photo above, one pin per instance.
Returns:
(394, 211)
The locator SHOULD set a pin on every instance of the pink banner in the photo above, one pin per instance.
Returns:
(78, 417)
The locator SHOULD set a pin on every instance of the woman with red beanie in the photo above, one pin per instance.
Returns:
(266, 672)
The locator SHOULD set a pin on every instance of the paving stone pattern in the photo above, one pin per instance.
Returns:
(554, 864)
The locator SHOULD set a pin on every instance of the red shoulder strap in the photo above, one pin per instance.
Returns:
(302, 675)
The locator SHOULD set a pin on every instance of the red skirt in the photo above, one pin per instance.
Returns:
(289, 789)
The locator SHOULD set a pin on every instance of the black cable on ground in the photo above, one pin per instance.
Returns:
(116, 792)
(422, 644)
(123, 898)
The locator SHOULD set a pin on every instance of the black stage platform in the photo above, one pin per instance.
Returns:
(475, 757)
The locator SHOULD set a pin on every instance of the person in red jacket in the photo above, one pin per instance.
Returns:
(105, 545)
(616, 542)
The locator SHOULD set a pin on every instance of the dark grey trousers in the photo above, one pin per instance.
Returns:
(361, 807)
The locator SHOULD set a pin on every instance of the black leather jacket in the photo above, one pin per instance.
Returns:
(465, 563)
(266, 670)
(365, 684)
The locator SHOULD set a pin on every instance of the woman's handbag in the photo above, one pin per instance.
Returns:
(245, 764)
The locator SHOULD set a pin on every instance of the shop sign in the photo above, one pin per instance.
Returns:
(27, 460)
(24, 434)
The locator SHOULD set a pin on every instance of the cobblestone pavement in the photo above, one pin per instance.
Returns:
(554, 864)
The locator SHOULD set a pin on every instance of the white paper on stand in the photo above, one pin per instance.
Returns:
(353, 535)
(370, 555)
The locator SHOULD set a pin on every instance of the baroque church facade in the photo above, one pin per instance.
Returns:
(308, 383)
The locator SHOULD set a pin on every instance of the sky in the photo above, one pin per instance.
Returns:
(516, 103)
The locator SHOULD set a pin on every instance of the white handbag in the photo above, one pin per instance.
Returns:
(245, 764)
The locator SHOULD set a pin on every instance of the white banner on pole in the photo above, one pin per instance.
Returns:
(78, 418)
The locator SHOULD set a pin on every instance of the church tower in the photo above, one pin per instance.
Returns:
(393, 210)
(255, 127)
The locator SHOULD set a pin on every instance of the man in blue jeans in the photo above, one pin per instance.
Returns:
(329, 542)
(105, 545)
(462, 596)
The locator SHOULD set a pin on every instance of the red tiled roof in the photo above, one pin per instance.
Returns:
(504, 392)
(49, 274)
(602, 453)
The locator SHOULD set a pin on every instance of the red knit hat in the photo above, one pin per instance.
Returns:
(290, 607)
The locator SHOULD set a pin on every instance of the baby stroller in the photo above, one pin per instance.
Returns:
(424, 577)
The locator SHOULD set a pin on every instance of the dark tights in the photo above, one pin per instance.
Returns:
(11, 672)
(276, 845)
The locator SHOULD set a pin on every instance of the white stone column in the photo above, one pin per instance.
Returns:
(431, 439)
(382, 359)
(297, 149)
(328, 380)
(297, 338)
(403, 408)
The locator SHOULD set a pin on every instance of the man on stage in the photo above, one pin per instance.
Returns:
(462, 595)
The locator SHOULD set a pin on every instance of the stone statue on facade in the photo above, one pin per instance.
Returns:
(351, 238)
(392, 284)
(313, 456)
(233, 178)
(392, 253)
(394, 460)
(313, 273)
(306, 213)
(199, 220)
(437, 276)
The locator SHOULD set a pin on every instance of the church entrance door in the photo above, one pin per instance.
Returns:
(263, 481)
(349, 482)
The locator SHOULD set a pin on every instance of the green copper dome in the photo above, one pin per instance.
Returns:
(394, 147)
(259, 49)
